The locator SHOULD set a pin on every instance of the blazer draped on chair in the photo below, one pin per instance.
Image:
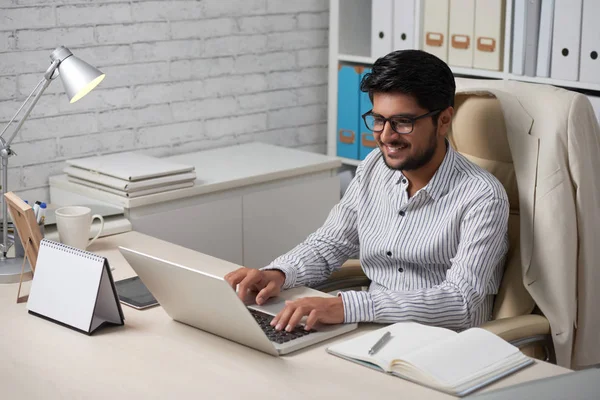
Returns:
(554, 139)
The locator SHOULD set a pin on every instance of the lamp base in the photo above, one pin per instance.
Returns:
(10, 270)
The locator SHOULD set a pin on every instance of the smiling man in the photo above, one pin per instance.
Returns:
(429, 226)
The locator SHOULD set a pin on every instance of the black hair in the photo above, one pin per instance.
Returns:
(416, 73)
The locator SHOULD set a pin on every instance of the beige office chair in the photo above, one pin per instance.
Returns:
(479, 133)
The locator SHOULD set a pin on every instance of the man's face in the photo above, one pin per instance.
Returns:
(405, 151)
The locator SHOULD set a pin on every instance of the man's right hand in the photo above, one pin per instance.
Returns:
(267, 283)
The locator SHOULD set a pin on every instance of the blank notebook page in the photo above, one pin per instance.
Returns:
(463, 356)
(406, 337)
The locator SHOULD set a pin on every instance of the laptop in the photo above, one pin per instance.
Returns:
(207, 302)
(579, 385)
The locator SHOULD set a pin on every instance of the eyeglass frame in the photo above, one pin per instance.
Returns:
(412, 120)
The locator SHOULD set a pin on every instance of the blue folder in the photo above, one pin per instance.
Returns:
(348, 116)
(367, 141)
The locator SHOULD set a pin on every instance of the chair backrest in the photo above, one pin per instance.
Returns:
(478, 132)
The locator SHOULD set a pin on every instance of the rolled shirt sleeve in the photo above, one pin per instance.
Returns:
(325, 250)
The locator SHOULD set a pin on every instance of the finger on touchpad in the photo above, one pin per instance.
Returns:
(271, 306)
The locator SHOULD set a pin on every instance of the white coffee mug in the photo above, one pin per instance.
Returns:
(74, 224)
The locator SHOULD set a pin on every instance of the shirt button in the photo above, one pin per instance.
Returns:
(401, 213)
(404, 181)
(389, 253)
(400, 269)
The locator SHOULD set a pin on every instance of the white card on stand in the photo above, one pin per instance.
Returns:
(74, 288)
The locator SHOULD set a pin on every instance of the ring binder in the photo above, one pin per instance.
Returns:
(346, 136)
(434, 39)
(486, 44)
(368, 140)
(461, 41)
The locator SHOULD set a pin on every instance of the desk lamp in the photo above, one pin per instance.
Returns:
(78, 78)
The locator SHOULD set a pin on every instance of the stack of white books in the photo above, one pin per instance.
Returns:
(130, 174)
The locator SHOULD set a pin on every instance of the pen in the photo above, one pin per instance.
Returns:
(380, 343)
(41, 213)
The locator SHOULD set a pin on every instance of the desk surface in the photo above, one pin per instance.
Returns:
(221, 169)
(153, 356)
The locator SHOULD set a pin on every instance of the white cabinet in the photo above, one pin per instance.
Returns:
(250, 204)
(294, 209)
(213, 227)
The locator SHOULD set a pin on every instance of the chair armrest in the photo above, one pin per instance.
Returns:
(514, 329)
(353, 262)
(349, 276)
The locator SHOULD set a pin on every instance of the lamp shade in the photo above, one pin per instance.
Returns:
(78, 77)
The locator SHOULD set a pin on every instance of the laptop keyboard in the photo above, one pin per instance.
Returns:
(276, 336)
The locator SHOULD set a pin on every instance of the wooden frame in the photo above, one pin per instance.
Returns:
(28, 229)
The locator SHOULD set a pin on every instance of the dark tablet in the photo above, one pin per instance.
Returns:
(134, 293)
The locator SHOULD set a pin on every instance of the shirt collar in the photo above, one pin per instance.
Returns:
(438, 185)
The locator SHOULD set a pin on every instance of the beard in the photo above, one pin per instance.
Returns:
(418, 160)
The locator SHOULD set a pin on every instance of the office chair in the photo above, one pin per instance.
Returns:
(479, 133)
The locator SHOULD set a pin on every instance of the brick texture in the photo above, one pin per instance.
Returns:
(181, 76)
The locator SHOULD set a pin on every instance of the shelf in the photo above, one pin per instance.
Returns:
(556, 82)
(481, 73)
(350, 161)
(356, 59)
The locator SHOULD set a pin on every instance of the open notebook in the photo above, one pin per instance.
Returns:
(455, 363)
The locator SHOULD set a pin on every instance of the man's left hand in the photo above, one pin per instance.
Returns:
(318, 309)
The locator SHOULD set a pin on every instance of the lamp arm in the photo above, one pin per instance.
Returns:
(48, 76)
(6, 152)
(22, 105)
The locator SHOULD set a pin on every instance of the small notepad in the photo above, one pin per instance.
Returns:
(74, 288)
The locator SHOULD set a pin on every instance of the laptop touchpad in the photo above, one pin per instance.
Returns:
(271, 307)
(276, 304)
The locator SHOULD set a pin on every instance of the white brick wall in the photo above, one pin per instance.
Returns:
(31, 39)
(182, 76)
(209, 108)
(88, 14)
(8, 87)
(162, 10)
(267, 24)
(313, 21)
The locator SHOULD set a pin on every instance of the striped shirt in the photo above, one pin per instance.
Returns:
(436, 258)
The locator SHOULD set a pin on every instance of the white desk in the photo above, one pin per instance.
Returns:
(250, 203)
(153, 357)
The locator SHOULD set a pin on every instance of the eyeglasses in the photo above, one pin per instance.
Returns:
(400, 124)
